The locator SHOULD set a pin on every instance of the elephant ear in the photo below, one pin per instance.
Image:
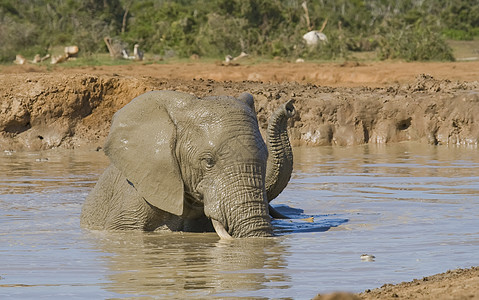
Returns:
(141, 144)
(248, 99)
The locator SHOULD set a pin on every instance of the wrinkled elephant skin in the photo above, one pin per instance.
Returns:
(179, 162)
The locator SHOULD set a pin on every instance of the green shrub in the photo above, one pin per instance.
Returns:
(221, 36)
(417, 42)
(411, 30)
(19, 38)
(335, 48)
(458, 34)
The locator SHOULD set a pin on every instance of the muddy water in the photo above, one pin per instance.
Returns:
(414, 207)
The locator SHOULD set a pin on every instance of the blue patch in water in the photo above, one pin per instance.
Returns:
(298, 222)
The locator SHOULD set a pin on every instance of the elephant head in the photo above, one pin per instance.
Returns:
(195, 157)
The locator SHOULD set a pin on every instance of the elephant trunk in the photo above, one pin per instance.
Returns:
(280, 155)
(237, 204)
(253, 224)
(248, 219)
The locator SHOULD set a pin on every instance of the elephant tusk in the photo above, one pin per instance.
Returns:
(220, 230)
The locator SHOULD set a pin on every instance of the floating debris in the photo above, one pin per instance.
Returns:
(310, 219)
(367, 257)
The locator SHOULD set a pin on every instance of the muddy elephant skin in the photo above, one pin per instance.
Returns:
(179, 162)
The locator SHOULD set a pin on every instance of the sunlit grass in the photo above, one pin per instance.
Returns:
(465, 50)
(462, 50)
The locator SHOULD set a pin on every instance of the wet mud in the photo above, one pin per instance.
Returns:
(46, 110)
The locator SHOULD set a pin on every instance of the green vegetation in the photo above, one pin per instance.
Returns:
(408, 30)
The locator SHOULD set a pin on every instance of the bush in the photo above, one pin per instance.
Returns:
(19, 38)
(411, 30)
(335, 48)
(418, 42)
(459, 34)
(221, 36)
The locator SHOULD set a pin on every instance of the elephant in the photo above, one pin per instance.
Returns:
(183, 163)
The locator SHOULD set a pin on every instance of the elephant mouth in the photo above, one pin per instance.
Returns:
(221, 230)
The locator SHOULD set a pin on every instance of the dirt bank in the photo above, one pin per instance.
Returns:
(45, 110)
(346, 74)
(455, 284)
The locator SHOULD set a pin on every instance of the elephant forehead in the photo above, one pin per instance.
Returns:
(235, 128)
(220, 119)
(221, 106)
(218, 109)
(226, 125)
(243, 147)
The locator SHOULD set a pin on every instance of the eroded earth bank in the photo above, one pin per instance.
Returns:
(46, 110)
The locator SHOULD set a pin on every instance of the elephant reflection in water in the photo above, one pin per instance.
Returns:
(187, 265)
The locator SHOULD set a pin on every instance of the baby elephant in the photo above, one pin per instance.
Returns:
(184, 163)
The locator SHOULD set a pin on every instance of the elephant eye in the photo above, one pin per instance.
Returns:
(208, 162)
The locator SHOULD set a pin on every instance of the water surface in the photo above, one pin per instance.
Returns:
(414, 207)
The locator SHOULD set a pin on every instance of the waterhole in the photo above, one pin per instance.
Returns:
(413, 209)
